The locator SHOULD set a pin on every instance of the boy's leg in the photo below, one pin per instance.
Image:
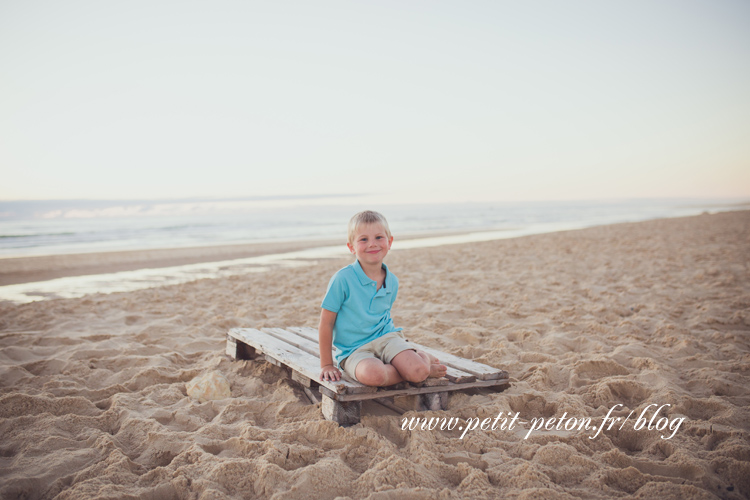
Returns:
(372, 371)
(390, 360)
(364, 367)
(416, 366)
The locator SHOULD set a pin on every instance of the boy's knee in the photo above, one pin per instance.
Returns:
(373, 379)
(418, 373)
(371, 375)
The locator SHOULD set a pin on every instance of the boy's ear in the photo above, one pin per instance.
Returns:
(390, 242)
(350, 247)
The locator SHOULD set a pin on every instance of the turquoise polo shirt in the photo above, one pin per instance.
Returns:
(363, 311)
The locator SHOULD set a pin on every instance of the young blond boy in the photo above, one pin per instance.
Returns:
(356, 315)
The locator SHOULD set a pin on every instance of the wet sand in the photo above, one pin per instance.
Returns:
(15, 270)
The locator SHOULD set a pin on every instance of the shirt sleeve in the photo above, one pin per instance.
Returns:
(336, 293)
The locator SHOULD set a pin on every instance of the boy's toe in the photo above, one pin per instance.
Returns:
(438, 370)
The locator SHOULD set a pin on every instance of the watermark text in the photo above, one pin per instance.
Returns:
(652, 417)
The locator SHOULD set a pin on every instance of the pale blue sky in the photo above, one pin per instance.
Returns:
(408, 101)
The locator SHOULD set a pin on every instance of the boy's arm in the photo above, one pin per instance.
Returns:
(325, 341)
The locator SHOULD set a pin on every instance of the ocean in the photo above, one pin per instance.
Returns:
(31, 228)
(61, 227)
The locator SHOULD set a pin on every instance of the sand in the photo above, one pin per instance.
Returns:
(93, 400)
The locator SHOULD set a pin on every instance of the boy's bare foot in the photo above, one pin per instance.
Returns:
(437, 370)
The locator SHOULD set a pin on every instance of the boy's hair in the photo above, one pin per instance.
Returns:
(367, 217)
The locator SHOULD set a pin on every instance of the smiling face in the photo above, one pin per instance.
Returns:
(370, 244)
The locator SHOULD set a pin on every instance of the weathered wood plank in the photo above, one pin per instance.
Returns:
(430, 382)
(293, 357)
(238, 351)
(274, 361)
(388, 403)
(422, 402)
(301, 379)
(498, 384)
(412, 402)
(312, 348)
(231, 347)
(343, 413)
(458, 376)
(314, 397)
(437, 401)
(305, 331)
(278, 351)
(299, 341)
(480, 370)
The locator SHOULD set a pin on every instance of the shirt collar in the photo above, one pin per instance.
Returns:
(364, 279)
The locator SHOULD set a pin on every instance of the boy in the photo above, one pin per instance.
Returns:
(356, 315)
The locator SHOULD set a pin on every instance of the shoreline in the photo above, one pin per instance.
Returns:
(35, 267)
(38, 268)
(18, 270)
(28, 270)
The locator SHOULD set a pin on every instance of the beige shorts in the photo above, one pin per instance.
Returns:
(384, 348)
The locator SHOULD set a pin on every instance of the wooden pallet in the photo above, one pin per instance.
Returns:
(296, 348)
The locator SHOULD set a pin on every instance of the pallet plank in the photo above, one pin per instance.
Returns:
(302, 380)
(480, 370)
(312, 348)
(293, 357)
(306, 332)
(500, 384)
(299, 341)
(458, 376)
(343, 413)
(238, 351)
(313, 397)
(421, 402)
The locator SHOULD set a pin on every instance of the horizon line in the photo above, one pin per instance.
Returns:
(356, 195)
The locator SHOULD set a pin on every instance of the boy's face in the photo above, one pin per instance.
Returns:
(371, 244)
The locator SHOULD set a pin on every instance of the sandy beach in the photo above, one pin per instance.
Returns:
(93, 401)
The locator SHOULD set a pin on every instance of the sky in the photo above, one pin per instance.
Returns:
(419, 101)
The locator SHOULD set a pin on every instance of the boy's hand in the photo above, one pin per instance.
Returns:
(331, 373)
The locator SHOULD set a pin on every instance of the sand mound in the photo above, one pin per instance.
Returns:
(208, 387)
